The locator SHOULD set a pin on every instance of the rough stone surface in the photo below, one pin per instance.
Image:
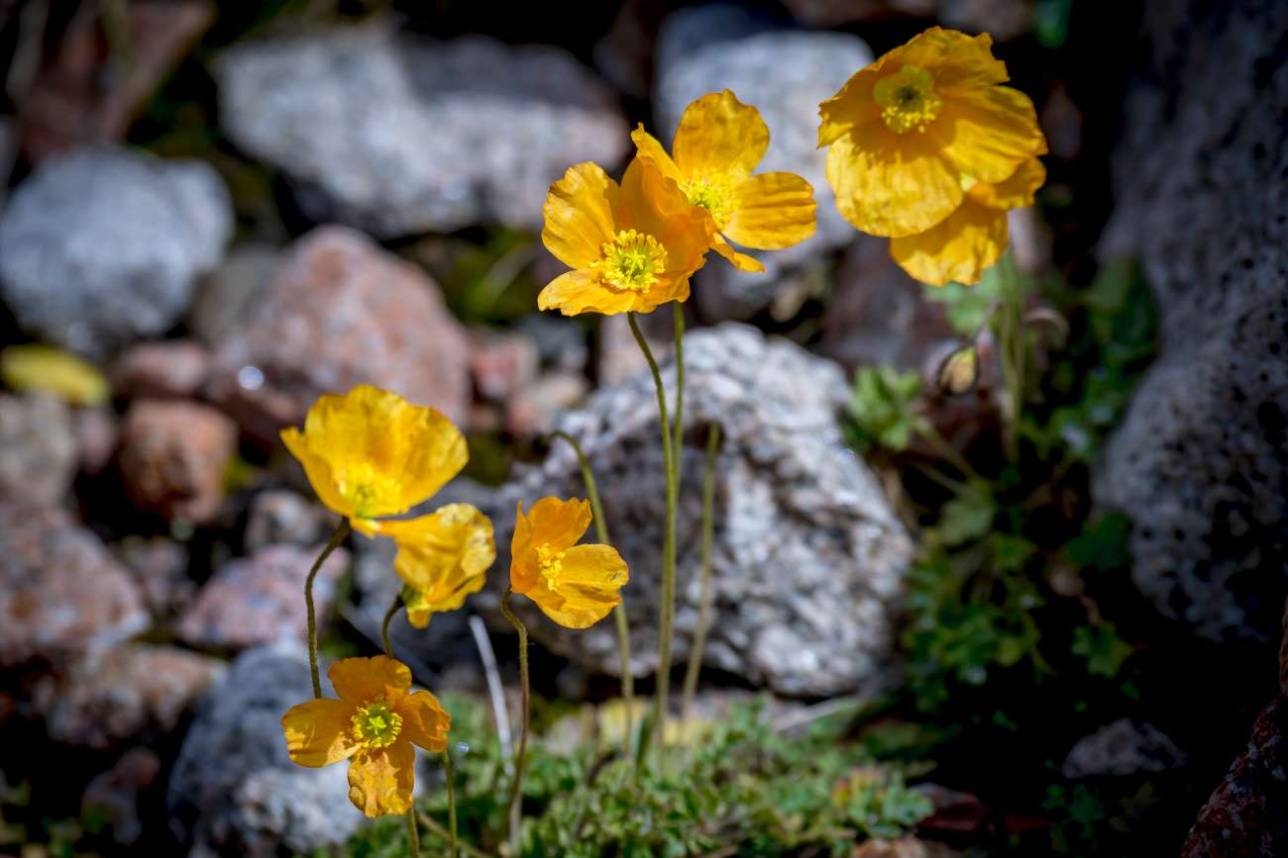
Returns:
(102, 246)
(96, 433)
(1201, 460)
(808, 560)
(1125, 747)
(173, 457)
(128, 693)
(117, 795)
(502, 362)
(61, 593)
(173, 369)
(533, 409)
(234, 790)
(340, 312)
(227, 298)
(37, 449)
(256, 600)
(417, 136)
(160, 567)
(282, 517)
(785, 74)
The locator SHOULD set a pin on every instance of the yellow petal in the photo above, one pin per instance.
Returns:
(425, 721)
(957, 250)
(719, 135)
(958, 61)
(317, 732)
(381, 779)
(889, 184)
(371, 453)
(552, 522)
(587, 589)
(577, 292)
(773, 211)
(651, 203)
(1016, 191)
(444, 557)
(648, 146)
(852, 106)
(42, 369)
(993, 131)
(359, 680)
(578, 215)
(741, 261)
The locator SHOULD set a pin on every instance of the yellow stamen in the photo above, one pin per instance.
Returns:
(712, 194)
(908, 99)
(550, 565)
(376, 725)
(366, 488)
(632, 260)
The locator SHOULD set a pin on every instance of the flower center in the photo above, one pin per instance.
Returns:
(376, 725)
(550, 565)
(907, 99)
(368, 490)
(632, 260)
(711, 194)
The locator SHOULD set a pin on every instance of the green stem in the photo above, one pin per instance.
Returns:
(413, 833)
(449, 774)
(384, 625)
(704, 599)
(520, 756)
(619, 613)
(1011, 346)
(677, 425)
(443, 834)
(666, 605)
(341, 531)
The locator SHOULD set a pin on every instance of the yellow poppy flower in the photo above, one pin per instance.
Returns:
(718, 145)
(373, 724)
(960, 247)
(38, 368)
(911, 133)
(632, 247)
(574, 585)
(371, 453)
(442, 558)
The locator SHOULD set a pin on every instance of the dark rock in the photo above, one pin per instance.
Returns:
(830, 13)
(160, 568)
(341, 312)
(117, 794)
(1123, 748)
(1201, 460)
(417, 136)
(37, 449)
(102, 246)
(173, 458)
(166, 370)
(282, 517)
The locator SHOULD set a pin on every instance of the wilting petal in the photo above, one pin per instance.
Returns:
(890, 184)
(1014, 192)
(718, 134)
(443, 557)
(579, 292)
(773, 211)
(957, 250)
(741, 261)
(425, 721)
(317, 732)
(578, 215)
(381, 779)
(587, 588)
(992, 131)
(358, 680)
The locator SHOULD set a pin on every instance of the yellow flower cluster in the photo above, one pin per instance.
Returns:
(927, 148)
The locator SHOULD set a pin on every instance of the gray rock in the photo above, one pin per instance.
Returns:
(228, 297)
(1125, 747)
(102, 246)
(234, 789)
(809, 559)
(785, 74)
(413, 135)
(282, 517)
(1201, 460)
(38, 450)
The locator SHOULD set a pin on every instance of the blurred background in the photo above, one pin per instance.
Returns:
(1065, 627)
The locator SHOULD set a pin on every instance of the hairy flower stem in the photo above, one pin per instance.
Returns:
(439, 831)
(341, 531)
(677, 425)
(384, 625)
(413, 833)
(619, 613)
(704, 599)
(666, 607)
(449, 775)
(520, 757)
(1012, 347)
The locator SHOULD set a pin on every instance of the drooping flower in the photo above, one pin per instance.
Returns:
(574, 585)
(972, 238)
(374, 724)
(43, 369)
(632, 247)
(913, 132)
(718, 145)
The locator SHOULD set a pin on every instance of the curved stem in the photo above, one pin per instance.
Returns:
(666, 605)
(619, 613)
(520, 759)
(341, 531)
(439, 831)
(413, 833)
(704, 604)
(384, 625)
(449, 774)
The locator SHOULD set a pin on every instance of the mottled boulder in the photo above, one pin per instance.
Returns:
(341, 311)
(1201, 460)
(160, 567)
(233, 789)
(414, 135)
(102, 246)
(1124, 747)
(173, 457)
(133, 692)
(282, 517)
(809, 558)
(785, 74)
(38, 451)
(260, 599)
(62, 595)
(174, 369)
(228, 297)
